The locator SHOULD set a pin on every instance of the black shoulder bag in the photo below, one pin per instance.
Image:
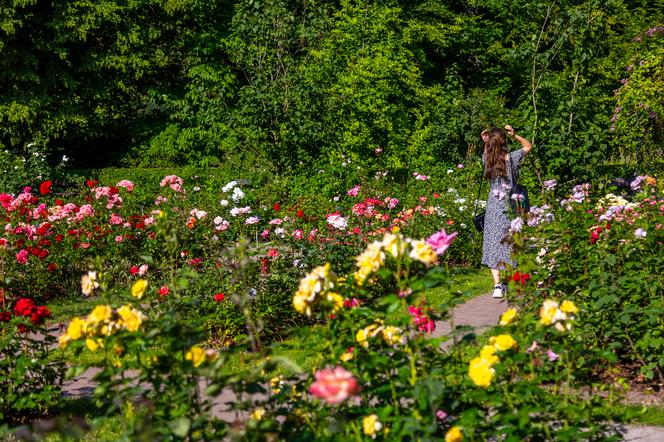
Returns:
(478, 218)
(518, 194)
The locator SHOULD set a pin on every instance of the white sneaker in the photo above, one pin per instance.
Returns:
(498, 291)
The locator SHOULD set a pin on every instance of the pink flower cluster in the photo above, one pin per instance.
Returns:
(110, 193)
(367, 208)
(174, 182)
(421, 320)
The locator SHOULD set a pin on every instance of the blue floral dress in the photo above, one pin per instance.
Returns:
(496, 254)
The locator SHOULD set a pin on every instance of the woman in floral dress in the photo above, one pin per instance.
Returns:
(497, 160)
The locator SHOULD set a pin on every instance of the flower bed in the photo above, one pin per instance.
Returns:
(605, 254)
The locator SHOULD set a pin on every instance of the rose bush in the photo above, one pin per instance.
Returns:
(381, 376)
(604, 253)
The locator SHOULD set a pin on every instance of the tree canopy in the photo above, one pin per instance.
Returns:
(157, 82)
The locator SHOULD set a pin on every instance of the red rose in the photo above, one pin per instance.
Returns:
(58, 202)
(219, 297)
(91, 183)
(52, 267)
(300, 213)
(45, 187)
(39, 314)
(5, 316)
(24, 307)
(133, 270)
(276, 207)
(164, 290)
(43, 229)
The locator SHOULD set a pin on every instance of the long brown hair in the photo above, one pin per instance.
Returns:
(496, 149)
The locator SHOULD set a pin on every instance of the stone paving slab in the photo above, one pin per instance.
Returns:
(637, 433)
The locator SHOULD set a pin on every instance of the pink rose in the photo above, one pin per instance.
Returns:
(440, 241)
(334, 385)
(22, 257)
(126, 184)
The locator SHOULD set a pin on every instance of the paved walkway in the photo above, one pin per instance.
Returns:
(479, 313)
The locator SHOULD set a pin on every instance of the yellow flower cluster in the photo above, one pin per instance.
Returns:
(394, 244)
(197, 355)
(454, 434)
(277, 383)
(102, 321)
(320, 280)
(369, 261)
(390, 334)
(481, 369)
(558, 315)
(612, 200)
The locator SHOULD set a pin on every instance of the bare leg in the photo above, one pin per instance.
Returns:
(496, 276)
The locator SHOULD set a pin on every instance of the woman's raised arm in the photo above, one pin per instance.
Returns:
(525, 144)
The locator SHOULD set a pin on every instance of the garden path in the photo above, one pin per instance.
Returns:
(478, 313)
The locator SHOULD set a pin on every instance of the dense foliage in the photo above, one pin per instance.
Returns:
(287, 82)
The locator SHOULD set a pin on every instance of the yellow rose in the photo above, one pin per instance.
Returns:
(454, 435)
(346, 356)
(99, 314)
(336, 300)
(394, 244)
(569, 307)
(503, 342)
(548, 312)
(488, 353)
(371, 425)
(93, 344)
(367, 332)
(508, 317)
(75, 328)
(480, 372)
(300, 303)
(138, 289)
(196, 355)
(63, 341)
(258, 413)
(392, 335)
(423, 252)
(131, 319)
(370, 260)
(361, 338)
